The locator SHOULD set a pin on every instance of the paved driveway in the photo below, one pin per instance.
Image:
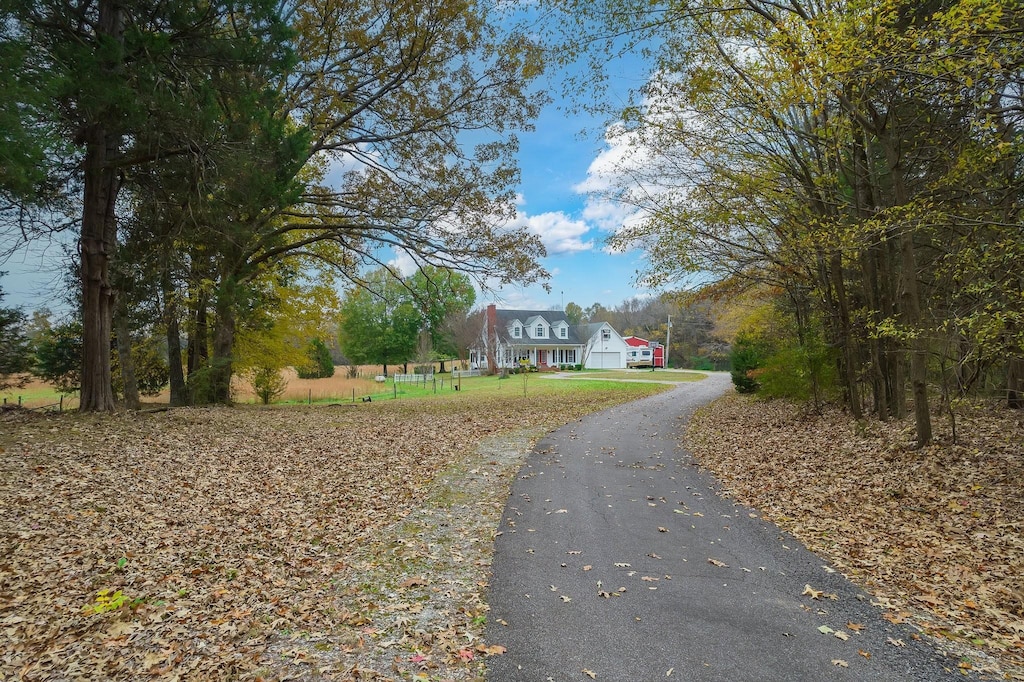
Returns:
(618, 561)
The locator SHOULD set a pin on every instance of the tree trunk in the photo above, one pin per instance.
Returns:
(223, 348)
(849, 356)
(179, 390)
(124, 352)
(97, 240)
(1015, 383)
(96, 247)
(866, 203)
(897, 385)
(912, 307)
(879, 380)
(198, 335)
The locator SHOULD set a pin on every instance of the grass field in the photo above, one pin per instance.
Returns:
(341, 388)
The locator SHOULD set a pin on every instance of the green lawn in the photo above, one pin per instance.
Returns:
(37, 396)
(535, 383)
(516, 384)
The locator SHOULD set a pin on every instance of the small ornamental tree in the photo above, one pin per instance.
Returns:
(59, 357)
(267, 382)
(320, 365)
(748, 354)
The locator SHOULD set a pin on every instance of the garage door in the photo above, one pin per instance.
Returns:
(605, 361)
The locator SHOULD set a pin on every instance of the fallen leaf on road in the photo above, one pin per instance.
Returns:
(813, 593)
(840, 662)
(716, 562)
(590, 673)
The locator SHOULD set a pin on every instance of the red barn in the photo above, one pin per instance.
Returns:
(647, 353)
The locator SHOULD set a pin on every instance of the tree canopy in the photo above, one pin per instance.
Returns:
(200, 149)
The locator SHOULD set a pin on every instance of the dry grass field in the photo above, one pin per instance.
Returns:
(37, 393)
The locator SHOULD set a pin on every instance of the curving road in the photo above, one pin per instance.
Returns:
(617, 561)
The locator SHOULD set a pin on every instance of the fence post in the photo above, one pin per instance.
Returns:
(60, 405)
(353, 395)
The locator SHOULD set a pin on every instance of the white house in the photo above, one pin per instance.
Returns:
(544, 338)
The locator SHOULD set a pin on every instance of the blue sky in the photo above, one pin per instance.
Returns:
(563, 162)
(558, 163)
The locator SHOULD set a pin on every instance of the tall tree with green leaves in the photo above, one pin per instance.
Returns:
(380, 324)
(439, 293)
(15, 354)
(121, 71)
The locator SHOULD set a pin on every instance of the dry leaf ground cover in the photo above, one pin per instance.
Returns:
(324, 542)
(936, 534)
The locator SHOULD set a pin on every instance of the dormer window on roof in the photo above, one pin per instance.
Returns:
(563, 332)
(517, 331)
(540, 331)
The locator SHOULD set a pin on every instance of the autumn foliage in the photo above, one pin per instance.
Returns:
(214, 544)
(937, 535)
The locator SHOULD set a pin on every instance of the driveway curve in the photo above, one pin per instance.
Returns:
(617, 560)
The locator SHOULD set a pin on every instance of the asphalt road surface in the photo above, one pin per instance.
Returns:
(618, 561)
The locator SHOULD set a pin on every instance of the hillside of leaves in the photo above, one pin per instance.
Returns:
(248, 544)
(937, 533)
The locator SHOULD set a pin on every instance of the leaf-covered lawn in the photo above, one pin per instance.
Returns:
(247, 543)
(937, 533)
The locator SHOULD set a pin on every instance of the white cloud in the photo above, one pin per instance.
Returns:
(559, 233)
(403, 262)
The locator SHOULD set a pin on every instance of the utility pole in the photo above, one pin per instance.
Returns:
(668, 340)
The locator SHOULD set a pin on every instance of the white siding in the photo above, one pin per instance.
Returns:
(606, 360)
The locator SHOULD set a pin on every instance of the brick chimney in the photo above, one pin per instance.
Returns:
(491, 340)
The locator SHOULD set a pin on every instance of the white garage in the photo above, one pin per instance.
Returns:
(605, 360)
(605, 348)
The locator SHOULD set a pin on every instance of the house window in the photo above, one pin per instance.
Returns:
(516, 332)
(563, 332)
(540, 331)
(606, 334)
